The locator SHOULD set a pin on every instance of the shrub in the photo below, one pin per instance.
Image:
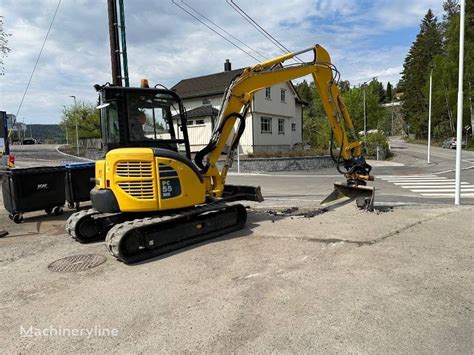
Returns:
(289, 153)
(377, 139)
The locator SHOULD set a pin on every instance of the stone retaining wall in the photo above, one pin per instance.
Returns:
(261, 165)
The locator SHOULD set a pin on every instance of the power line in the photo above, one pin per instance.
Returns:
(37, 59)
(259, 28)
(213, 30)
(223, 30)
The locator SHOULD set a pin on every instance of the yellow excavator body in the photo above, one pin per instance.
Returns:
(143, 182)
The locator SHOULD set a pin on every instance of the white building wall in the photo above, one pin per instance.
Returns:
(274, 105)
(246, 141)
(297, 135)
(253, 139)
(190, 104)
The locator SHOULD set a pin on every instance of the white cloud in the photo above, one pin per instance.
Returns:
(166, 45)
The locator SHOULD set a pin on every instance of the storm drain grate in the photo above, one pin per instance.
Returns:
(77, 263)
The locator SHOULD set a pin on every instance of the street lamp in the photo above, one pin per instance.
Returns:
(77, 128)
(67, 137)
(429, 116)
(457, 190)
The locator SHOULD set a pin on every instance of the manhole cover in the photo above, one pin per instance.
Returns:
(77, 263)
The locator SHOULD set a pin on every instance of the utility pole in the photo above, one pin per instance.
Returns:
(429, 116)
(457, 194)
(123, 43)
(114, 43)
(65, 125)
(365, 111)
(77, 127)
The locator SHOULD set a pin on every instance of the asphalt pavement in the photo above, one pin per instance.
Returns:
(296, 279)
(41, 155)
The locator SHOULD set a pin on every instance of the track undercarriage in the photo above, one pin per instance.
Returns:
(133, 237)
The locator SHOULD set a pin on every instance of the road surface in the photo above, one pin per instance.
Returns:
(407, 178)
(345, 281)
(40, 155)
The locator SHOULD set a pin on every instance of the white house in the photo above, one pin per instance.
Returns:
(274, 121)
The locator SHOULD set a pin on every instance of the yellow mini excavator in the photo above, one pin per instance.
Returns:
(150, 198)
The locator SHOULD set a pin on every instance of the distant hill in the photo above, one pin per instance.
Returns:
(47, 133)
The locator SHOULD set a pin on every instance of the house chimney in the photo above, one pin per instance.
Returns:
(227, 65)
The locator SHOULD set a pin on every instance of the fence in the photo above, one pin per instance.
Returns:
(90, 143)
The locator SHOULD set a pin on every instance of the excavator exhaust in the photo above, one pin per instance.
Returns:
(364, 195)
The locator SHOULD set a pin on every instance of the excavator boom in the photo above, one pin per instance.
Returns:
(265, 74)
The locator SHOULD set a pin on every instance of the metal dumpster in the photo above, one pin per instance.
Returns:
(80, 180)
(33, 189)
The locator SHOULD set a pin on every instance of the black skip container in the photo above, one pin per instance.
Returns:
(80, 180)
(33, 189)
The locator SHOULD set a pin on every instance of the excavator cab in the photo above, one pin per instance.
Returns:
(147, 166)
(142, 117)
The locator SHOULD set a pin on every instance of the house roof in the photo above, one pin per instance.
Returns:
(201, 111)
(207, 85)
(214, 84)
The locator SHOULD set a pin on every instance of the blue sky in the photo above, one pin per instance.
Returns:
(165, 45)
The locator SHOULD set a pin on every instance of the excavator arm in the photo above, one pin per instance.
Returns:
(268, 73)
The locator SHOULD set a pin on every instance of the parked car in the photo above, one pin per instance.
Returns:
(450, 143)
(29, 141)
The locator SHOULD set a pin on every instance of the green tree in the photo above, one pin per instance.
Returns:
(389, 95)
(382, 94)
(316, 130)
(415, 74)
(88, 121)
(375, 112)
(304, 91)
(344, 86)
(445, 71)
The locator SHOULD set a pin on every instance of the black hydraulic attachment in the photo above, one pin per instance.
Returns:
(364, 195)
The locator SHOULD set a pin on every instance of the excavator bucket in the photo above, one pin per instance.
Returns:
(364, 195)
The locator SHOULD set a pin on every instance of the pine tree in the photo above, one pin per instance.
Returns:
(382, 94)
(415, 74)
(344, 86)
(445, 71)
(389, 93)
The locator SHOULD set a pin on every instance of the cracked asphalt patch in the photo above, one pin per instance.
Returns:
(341, 281)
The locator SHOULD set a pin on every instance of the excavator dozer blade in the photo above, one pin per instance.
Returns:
(242, 193)
(363, 194)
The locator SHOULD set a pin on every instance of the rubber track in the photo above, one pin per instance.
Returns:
(117, 232)
(74, 219)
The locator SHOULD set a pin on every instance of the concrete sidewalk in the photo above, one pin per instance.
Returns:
(342, 281)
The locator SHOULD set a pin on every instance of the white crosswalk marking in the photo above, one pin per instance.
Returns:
(429, 185)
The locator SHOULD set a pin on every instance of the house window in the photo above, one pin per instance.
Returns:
(281, 126)
(293, 127)
(190, 123)
(283, 95)
(268, 93)
(266, 124)
(199, 121)
(206, 101)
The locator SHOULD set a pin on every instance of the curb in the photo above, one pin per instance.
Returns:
(70, 155)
